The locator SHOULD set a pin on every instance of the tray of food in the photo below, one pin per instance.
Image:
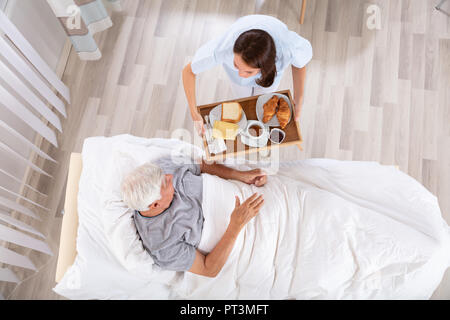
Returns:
(249, 124)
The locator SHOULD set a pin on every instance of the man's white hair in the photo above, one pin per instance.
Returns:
(142, 186)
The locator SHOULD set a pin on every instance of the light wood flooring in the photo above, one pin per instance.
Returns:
(378, 95)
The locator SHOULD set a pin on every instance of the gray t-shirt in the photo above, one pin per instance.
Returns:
(171, 238)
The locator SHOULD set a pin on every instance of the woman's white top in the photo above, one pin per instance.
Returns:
(291, 49)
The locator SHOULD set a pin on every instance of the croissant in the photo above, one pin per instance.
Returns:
(284, 113)
(270, 108)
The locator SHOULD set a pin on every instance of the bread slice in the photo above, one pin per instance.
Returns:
(231, 112)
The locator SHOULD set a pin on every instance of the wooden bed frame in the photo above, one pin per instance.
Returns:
(68, 240)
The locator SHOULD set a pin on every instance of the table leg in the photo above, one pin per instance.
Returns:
(302, 13)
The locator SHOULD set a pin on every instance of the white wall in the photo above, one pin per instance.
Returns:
(37, 23)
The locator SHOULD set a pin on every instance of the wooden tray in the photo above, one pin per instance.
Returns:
(236, 147)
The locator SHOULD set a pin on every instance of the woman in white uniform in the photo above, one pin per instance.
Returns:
(254, 52)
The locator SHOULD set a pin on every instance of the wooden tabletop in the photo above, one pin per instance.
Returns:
(236, 147)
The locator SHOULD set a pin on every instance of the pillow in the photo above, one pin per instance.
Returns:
(96, 272)
(97, 276)
(111, 262)
(117, 218)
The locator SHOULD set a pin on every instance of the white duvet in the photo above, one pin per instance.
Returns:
(328, 230)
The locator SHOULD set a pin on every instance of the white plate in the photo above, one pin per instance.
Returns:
(216, 115)
(260, 110)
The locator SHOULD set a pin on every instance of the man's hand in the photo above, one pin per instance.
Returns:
(256, 177)
(246, 211)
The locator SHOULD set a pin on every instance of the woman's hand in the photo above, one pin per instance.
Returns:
(298, 109)
(198, 124)
(189, 90)
(246, 211)
(298, 80)
(256, 177)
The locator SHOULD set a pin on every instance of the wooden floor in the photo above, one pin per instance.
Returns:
(378, 95)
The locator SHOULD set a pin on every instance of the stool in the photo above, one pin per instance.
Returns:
(302, 13)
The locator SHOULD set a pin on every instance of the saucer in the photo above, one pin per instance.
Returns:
(255, 143)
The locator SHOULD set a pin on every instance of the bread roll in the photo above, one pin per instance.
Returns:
(283, 113)
(270, 108)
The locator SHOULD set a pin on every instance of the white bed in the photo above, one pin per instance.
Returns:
(329, 230)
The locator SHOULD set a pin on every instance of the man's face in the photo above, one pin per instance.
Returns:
(167, 192)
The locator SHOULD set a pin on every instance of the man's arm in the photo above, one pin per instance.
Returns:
(211, 264)
(220, 170)
(256, 176)
(298, 79)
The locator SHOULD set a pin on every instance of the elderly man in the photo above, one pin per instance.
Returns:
(167, 199)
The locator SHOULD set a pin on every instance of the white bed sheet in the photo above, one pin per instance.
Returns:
(329, 230)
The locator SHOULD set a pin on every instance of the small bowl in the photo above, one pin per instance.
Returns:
(277, 133)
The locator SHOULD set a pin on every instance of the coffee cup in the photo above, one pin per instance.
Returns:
(277, 136)
(255, 134)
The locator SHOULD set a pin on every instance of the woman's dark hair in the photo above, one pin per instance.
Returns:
(258, 50)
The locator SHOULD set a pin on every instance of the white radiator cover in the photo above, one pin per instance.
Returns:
(33, 101)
